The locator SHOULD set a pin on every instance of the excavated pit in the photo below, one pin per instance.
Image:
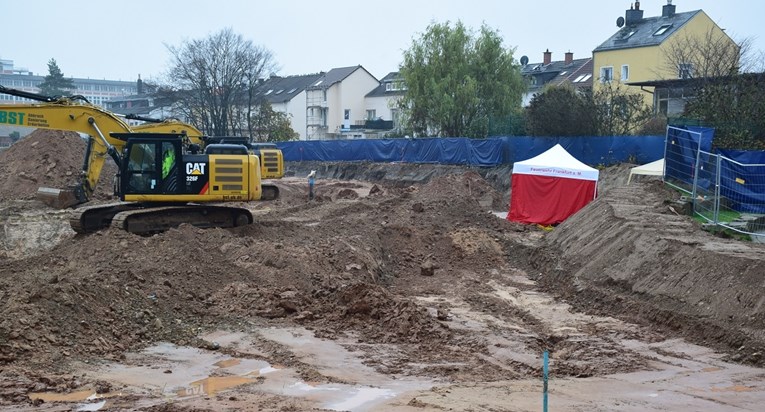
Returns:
(376, 295)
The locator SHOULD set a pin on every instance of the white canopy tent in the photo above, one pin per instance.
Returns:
(649, 169)
(550, 187)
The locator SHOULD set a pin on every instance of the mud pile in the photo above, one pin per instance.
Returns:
(46, 158)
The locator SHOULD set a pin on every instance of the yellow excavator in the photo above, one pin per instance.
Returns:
(168, 174)
(271, 158)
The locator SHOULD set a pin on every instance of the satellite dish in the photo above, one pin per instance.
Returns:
(524, 60)
(620, 21)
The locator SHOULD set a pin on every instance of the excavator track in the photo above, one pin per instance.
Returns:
(90, 219)
(152, 220)
(146, 220)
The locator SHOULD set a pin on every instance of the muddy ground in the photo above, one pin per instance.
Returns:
(397, 288)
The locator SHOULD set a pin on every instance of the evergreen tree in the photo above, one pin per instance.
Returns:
(55, 84)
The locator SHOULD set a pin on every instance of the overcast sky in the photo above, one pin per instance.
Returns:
(118, 40)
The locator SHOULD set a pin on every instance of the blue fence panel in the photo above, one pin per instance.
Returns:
(742, 180)
(476, 152)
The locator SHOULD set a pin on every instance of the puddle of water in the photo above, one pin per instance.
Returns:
(92, 406)
(171, 371)
(361, 397)
(227, 363)
(78, 396)
(214, 384)
(734, 388)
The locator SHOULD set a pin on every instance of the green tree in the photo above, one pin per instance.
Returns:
(213, 80)
(55, 84)
(457, 81)
(617, 111)
(272, 126)
(560, 111)
(735, 107)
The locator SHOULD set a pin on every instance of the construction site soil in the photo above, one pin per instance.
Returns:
(398, 287)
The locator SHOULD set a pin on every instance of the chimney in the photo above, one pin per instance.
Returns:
(548, 57)
(139, 85)
(668, 10)
(569, 57)
(634, 15)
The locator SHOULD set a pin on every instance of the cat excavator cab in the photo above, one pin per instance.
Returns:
(163, 179)
(271, 158)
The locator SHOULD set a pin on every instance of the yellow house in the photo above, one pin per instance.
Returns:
(670, 46)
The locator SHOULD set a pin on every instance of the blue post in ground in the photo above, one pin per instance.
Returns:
(544, 380)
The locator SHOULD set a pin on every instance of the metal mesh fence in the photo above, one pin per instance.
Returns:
(723, 191)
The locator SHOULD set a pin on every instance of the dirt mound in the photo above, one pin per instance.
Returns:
(47, 158)
(631, 253)
(102, 294)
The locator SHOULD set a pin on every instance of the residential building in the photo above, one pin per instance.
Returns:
(575, 72)
(645, 48)
(382, 112)
(336, 101)
(288, 95)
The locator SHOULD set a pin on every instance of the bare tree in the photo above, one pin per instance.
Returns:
(712, 54)
(212, 78)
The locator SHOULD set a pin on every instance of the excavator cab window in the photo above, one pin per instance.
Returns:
(142, 168)
(152, 167)
(169, 168)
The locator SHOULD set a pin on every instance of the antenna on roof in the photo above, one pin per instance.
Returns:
(620, 21)
(524, 60)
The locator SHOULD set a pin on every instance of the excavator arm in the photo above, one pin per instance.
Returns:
(70, 115)
(152, 125)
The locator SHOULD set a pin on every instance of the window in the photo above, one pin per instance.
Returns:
(142, 167)
(685, 71)
(606, 74)
(371, 114)
(663, 29)
(625, 72)
(388, 87)
(579, 79)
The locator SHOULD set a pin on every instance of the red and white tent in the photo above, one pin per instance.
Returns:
(549, 188)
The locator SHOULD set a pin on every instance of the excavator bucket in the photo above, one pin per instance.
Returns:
(57, 198)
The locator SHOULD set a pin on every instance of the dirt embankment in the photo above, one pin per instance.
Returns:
(631, 253)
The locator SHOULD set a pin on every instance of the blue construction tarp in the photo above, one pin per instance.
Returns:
(742, 179)
(488, 152)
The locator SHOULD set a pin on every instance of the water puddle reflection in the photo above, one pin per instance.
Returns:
(166, 371)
